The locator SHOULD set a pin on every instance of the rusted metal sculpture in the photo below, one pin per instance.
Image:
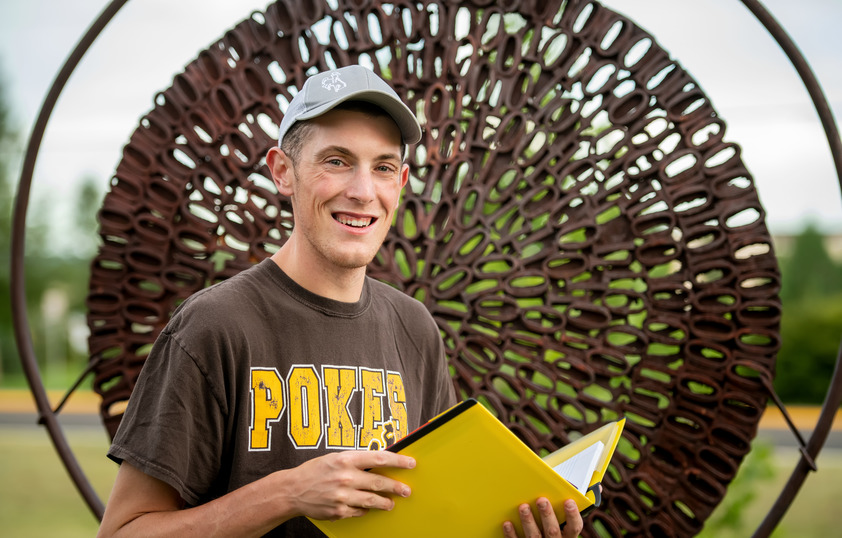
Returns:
(589, 242)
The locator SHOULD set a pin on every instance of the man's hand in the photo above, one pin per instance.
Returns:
(338, 485)
(549, 521)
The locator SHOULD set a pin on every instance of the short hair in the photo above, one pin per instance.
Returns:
(300, 131)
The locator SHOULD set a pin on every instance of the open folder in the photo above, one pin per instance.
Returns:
(472, 473)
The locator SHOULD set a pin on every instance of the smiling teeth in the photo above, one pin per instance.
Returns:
(356, 223)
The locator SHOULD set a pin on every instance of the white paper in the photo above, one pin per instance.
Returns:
(579, 469)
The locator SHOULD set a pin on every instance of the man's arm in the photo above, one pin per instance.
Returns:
(549, 521)
(334, 486)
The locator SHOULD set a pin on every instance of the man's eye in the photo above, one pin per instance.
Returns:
(335, 162)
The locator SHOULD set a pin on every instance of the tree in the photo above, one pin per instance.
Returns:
(88, 198)
(8, 352)
(811, 325)
(809, 272)
(810, 339)
(52, 278)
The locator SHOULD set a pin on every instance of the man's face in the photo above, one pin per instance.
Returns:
(345, 187)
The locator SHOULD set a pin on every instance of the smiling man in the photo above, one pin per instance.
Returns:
(344, 185)
(265, 396)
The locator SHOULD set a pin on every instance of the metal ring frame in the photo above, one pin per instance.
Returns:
(49, 417)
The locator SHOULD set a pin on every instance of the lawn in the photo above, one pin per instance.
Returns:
(758, 484)
(38, 499)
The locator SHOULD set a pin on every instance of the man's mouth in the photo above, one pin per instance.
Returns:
(353, 222)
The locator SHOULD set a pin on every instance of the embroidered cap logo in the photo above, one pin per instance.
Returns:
(333, 82)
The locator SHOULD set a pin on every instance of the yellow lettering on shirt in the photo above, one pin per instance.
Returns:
(340, 384)
(311, 419)
(267, 405)
(397, 404)
(373, 388)
(305, 417)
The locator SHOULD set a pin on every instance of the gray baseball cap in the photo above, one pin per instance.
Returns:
(324, 91)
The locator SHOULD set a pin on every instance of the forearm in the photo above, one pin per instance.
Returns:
(334, 486)
(217, 518)
(252, 510)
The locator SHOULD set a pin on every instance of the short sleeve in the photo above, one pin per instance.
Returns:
(445, 391)
(173, 428)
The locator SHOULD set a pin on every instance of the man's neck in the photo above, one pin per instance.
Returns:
(336, 283)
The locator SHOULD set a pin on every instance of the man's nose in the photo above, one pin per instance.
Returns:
(362, 186)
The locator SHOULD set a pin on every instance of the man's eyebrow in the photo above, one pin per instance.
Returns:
(324, 152)
(389, 157)
(347, 152)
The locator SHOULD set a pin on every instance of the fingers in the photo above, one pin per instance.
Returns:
(343, 484)
(549, 525)
(367, 489)
(381, 484)
(368, 481)
(530, 526)
(574, 524)
(369, 459)
(525, 514)
(509, 530)
(549, 521)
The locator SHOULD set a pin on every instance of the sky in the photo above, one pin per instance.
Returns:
(742, 70)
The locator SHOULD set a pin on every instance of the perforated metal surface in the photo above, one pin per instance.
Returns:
(589, 242)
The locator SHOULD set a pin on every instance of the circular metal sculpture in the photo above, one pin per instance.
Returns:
(588, 242)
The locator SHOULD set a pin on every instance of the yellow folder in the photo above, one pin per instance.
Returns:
(471, 475)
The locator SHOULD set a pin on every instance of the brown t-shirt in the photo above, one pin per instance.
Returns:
(256, 374)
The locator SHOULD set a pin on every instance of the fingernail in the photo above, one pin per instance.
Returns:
(524, 509)
(570, 504)
(405, 492)
(411, 463)
(543, 505)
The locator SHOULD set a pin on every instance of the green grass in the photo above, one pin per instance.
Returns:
(757, 486)
(37, 497)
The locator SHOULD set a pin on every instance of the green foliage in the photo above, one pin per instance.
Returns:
(7, 346)
(88, 200)
(811, 324)
(52, 278)
(810, 339)
(808, 271)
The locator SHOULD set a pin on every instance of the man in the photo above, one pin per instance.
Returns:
(262, 395)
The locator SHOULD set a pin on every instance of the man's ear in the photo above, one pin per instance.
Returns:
(280, 166)
(404, 179)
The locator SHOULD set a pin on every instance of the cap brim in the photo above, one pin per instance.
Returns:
(400, 113)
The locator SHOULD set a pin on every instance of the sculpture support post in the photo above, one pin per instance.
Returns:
(834, 393)
(47, 416)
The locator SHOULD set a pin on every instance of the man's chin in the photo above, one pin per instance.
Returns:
(354, 260)
(354, 256)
